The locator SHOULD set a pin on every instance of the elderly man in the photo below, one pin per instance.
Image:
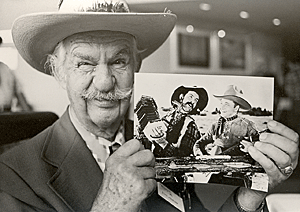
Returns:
(94, 55)
(230, 130)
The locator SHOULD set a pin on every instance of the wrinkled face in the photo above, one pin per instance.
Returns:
(99, 70)
(190, 101)
(227, 108)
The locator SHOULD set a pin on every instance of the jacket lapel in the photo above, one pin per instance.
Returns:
(78, 177)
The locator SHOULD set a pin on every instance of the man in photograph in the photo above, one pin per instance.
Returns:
(181, 132)
(225, 135)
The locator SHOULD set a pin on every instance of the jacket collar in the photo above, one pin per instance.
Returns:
(78, 177)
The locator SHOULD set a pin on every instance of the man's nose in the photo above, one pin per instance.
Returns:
(103, 80)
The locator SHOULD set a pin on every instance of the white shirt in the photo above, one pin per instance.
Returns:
(99, 146)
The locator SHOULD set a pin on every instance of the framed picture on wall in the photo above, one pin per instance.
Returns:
(232, 53)
(193, 50)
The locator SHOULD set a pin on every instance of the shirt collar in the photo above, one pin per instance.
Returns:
(231, 118)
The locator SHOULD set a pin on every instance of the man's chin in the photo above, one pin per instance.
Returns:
(104, 116)
(187, 109)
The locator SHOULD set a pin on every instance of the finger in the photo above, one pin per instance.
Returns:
(275, 175)
(281, 158)
(142, 158)
(279, 141)
(281, 129)
(156, 132)
(129, 148)
(147, 172)
(287, 146)
(151, 184)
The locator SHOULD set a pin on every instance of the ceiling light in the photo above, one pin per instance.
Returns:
(244, 15)
(190, 28)
(205, 7)
(276, 22)
(221, 33)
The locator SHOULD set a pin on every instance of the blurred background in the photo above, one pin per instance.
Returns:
(219, 37)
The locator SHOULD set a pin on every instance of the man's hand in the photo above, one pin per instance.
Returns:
(274, 151)
(128, 179)
(156, 132)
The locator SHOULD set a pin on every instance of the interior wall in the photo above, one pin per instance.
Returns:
(264, 58)
(42, 91)
(11, 9)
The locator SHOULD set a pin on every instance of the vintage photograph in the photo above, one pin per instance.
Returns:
(200, 126)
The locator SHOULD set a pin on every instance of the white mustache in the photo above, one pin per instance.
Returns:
(114, 95)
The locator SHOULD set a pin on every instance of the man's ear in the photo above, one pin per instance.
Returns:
(237, 108)
(61, 75)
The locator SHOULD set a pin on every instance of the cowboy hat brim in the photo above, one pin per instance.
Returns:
(238, 100)
(36, 35)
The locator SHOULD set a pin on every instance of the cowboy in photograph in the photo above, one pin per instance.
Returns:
(230, 130)
(88, 160)
(181, 131)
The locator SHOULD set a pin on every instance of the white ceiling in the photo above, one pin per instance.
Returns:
(226, 13)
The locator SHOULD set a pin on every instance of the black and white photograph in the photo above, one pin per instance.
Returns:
(202, 123)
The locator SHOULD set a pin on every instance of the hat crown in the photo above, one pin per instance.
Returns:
(233, 90)
(93, 6)
(235, 94)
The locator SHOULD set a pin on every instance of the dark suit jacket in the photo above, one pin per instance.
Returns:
(55, 171)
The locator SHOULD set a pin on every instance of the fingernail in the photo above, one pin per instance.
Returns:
(263, 136)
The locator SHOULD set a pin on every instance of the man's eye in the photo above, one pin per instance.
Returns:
(85, 66)
(80, 64)
(120, 63)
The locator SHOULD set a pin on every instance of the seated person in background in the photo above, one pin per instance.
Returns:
(68, 166)
(7, 88)
(11, 95)
(226, 135)
(12, 98)
(181, 131)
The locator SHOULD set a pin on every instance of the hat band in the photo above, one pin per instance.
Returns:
(94, 6)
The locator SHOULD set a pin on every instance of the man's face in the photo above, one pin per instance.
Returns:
(190, 101)
(227, 108)
(99, 66)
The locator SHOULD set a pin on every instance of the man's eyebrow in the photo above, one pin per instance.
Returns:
(82, 55)
(125, 50)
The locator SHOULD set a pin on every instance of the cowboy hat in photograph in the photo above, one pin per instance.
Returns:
(235, 94)
(203, 97)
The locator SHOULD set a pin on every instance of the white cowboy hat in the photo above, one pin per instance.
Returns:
(36, 35)
(235, 94)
